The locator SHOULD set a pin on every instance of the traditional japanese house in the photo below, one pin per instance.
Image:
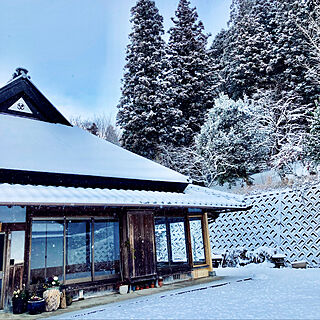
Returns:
(75, 206)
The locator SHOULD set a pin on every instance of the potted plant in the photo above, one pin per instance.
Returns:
(123, 287)
(160, 281)
(52, 294)
(19, 299)
(69, 299)
(36, 304)
(52, 282)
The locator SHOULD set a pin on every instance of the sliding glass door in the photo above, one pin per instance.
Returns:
(46, 250)
(78, 249)
(107, 248)
(197, 244)
(74, 249)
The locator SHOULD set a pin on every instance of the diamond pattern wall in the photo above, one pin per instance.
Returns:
(288, 221)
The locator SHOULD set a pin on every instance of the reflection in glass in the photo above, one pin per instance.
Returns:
(78, 249)
(178, 241)
(17, 247)
(46, 250)
(197, 241)
(12, 214)
(106, 247)
(161, 240)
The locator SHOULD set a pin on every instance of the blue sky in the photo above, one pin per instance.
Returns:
(75, 49)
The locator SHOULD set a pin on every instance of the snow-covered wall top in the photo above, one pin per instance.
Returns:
(32, 145)
(286, 220)
(11, 194)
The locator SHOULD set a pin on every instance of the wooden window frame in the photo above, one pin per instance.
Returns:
(170, 262)
(92, 220)
(199, 265)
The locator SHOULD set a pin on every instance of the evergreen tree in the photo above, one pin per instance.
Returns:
(312, 145)
(312, 32)
(246, 48)
(291, 52)
(231, 146)
(265, 48)
(188, 88)
(218, 62)
(140, 114)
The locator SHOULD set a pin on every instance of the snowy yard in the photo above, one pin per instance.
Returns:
(271, 294)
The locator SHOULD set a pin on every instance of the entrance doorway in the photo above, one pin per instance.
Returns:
(141, 238)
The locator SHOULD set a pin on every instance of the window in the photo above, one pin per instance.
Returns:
(12, 214)
(171, 240)
(78, 249)
(46, 250)
(161, 240)
(198, 252)
(178, 240)
(107, 251)
(75, 249)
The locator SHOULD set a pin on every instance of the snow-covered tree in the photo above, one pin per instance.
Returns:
(100, 126)
(312, 32)
(188, 89)
(291, 52)
(140, 110)
(265, 49)
(230, 143)
(312, 143)
(218, 61)
(187, 161)
(247, 43)
(283, 124)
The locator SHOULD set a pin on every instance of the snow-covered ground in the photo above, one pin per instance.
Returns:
(271, 294)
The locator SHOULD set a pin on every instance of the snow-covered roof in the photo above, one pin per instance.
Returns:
(32, 145)
(14, 194)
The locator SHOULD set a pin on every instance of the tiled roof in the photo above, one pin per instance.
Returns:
(193, 197)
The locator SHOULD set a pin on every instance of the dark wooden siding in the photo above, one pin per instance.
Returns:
(142, 245)
(85, 181)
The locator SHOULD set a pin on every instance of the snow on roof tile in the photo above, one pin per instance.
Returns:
(39, 146)
(13, 194)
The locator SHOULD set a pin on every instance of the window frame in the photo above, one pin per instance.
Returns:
(167, 222)
(92, 220)
(198, 263)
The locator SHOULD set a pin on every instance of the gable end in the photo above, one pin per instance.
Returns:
(21, 98)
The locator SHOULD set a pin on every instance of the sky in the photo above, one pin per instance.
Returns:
(75, 49)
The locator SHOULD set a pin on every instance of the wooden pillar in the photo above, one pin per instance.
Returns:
(125, 258)
(6, 270)
(206, 241)
(27, 250)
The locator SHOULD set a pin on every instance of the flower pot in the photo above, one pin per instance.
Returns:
(18, 306)
(63, 299)
(69, 299)
(152, 285)
(35, 307)
(160, 282)
(123, 289)
(52, 298)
